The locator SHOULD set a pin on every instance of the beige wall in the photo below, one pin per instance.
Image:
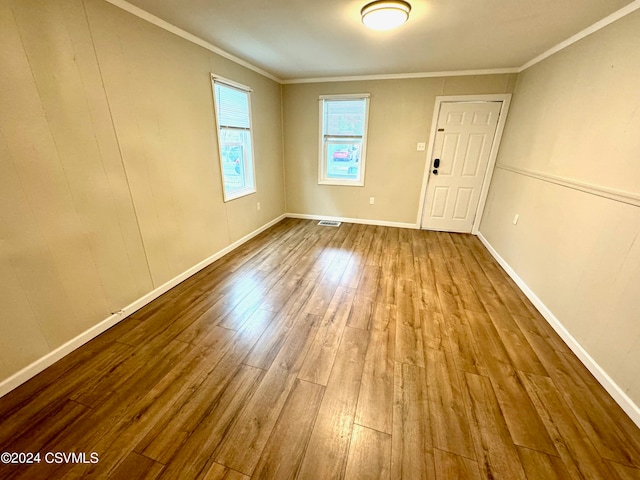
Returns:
(399, 117)
(110, 185)
(109, 172)
(576, 115)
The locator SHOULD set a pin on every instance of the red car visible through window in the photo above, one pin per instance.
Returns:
(346, 155)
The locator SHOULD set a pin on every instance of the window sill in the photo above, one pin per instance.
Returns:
(238, 194)
(343, 183)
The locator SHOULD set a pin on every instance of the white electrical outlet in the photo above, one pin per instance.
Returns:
(422, 146)
(372, 200)
(258, 205)
(515, 219)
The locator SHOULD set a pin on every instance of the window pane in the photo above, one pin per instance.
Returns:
(233, 107)
(344, 117)
(343, 139)
(343, 159)
(233, 117)
(235, 148)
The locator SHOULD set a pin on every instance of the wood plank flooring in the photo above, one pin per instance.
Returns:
(311, 352)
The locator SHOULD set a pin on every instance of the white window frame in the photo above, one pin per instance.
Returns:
(249, 166)
(326, 140)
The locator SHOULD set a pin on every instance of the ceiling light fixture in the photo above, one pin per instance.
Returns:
(385, 14)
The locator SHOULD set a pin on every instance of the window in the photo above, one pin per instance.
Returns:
(343, 139)
(233, 118)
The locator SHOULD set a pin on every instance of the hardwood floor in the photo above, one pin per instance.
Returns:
(322, 353)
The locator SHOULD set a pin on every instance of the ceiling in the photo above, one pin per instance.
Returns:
(304, 39)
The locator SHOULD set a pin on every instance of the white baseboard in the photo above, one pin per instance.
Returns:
(596, 370)
(363, 221)
(50, 358)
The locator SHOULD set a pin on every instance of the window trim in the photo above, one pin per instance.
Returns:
(322, 176)
(250, 171)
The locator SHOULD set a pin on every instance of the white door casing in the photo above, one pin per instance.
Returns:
(464, 140)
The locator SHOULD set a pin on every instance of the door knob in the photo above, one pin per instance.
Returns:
(435, 172)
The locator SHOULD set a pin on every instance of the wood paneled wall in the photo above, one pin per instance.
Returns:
(574, 122)
(109, 173)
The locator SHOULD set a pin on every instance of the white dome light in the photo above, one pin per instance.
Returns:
(385, 14)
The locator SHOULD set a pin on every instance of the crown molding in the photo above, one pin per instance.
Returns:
(140, 13)
(617, 15)
(158, 22)
(397, 76)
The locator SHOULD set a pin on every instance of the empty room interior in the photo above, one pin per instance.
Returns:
(283, 240)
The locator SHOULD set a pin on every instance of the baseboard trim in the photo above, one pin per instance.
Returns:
(621, 398)
(363, 221)
(50, 358)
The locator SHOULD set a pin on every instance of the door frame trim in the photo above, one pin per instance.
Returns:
(505, 98)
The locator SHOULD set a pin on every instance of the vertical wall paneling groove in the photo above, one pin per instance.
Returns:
(570, 171)
(109, 180)
(120, 165)
(111, 193)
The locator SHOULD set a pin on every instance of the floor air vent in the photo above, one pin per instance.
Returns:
(329, 223)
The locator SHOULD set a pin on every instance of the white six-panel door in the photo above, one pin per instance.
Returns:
(463, 141)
